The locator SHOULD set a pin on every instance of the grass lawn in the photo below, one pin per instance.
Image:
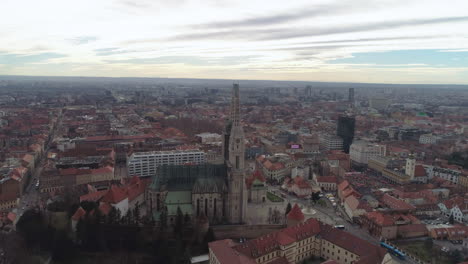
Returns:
(274, 198)
(420, 250)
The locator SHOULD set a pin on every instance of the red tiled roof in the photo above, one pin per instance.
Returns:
(395, 203)
(114, 195)
(328, 179)
(11, 216)
(136, 188)
(343, 185)
(271, 242)
(257, 175)
(80, 212)
(93, 197)
(458, 201)
(412, 228)
(352, 243)
(419, 171)
(227, 252)
(118, 137)
(105, 208)
(296, 214)
(224, 252)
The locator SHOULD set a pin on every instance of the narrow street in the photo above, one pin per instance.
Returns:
(31, 197)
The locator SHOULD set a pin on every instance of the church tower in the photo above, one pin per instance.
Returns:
(410, 166)
(237, 195)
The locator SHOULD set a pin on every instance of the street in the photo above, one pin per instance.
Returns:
(31, 196)
(326, 214)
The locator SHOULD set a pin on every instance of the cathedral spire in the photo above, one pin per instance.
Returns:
(237, 194)
(235, 105)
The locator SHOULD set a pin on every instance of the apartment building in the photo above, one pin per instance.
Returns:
(144, 164)
(330, 142)
(361, 151)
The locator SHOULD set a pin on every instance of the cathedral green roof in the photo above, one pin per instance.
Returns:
(179, 197)
(183, 177)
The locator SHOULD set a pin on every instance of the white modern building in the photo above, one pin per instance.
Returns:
(449, 174)
(144, 164)
(207, 138)
(330, 142)
(361, 151)
(428, 139)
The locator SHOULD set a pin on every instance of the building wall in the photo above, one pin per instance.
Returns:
(83, 179)
(211, 203)
(327, 186)
(301, 250)
(361, 152)
(10, 192)
(9, 204)
(447, 174)
(340, 255)
(105, 176)
(144, 164)
(463, 182)
(257, 195)
(122, 206)
(140, 199)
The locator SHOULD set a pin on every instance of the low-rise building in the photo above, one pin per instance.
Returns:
(355, 207)
(456, 207)
(326, 183)
(297, 243)
(331, 142)
(428, 139)
(276, 167)
(361, 151)
(298, 185)
(450, 172)
(391, 225)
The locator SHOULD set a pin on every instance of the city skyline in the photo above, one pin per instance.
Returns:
(329, 41)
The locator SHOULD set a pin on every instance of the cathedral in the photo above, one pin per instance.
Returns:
(217, 192)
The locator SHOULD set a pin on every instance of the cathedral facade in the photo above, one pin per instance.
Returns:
(217, 192)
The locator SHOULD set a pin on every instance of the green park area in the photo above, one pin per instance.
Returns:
(427, 252)
(274, 198)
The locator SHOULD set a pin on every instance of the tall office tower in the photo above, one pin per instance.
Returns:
(237, 193)
(345, 130)
(308, 91)
(351, 95)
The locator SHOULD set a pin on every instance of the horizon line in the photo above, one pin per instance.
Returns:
(239, 80)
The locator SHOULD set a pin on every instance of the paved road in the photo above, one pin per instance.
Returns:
(31, 196)
(329, 215)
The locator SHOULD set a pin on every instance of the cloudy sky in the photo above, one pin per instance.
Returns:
(388, 41)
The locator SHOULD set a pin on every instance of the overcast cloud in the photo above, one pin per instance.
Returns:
(321, 40)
